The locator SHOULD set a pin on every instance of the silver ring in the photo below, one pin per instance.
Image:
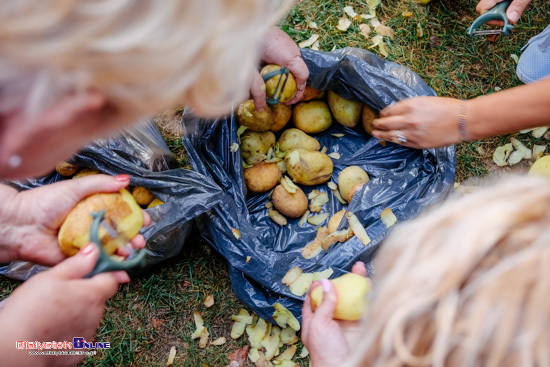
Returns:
(400, 136)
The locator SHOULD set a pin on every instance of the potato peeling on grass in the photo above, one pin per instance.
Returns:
(539, 132)
(309, 42)
(219, 341)
(525, 152)
(515, 157)
(209, 301)
(288, 354)
(501, 154)
(314, 248)
(291, 275)
(245, 319)
(357, 228)
(238, 327)
(304, 353)
(343, 24)
(388, 218)
(253, 355)
(538, 151)
(171, 356)
(288, 336)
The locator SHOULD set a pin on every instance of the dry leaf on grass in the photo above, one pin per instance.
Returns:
(171, 356)
(309, 42)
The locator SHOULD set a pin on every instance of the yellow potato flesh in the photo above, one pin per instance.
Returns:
(541, 167)
(351, 289)
(122, 213)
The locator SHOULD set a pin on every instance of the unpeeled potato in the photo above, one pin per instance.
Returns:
(255, 120)
(121, 212)
(83, 172)
(142, 195)
(296, 138)
(66, 169)
(311, 93)
(368, 117)
(262, 177)
(271, 85)
(281, 115)
(290, 205)
(345, 111)
(312, 117)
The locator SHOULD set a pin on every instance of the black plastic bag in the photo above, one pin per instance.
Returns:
(404, 179)
(143, 154)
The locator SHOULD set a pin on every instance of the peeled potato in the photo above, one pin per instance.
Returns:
(121, 212)
(142, 195)
(541, 167)
(352, 290)
(291, 205)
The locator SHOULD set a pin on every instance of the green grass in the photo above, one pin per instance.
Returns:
(154, 312)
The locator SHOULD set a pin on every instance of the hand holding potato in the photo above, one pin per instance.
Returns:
(326, 339)
(32, 218)
(278, 48)
(62, 305)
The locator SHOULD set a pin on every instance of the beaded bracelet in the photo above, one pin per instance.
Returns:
(462, 120)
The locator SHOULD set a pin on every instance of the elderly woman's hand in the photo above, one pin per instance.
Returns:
(278, 48)
(326, 339)
(57, 305)
(31, 219)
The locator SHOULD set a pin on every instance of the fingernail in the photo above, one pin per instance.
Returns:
(88, 249)
(325, 283)
(514, 16)
(122, 178)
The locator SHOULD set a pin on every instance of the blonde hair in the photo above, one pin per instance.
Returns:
(465, 285)
(143, 55)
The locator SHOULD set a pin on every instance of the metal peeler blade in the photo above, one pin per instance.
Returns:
(496, 13)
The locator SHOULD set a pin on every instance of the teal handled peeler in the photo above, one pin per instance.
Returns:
(280, 84)
(496, 13)
(104, 262)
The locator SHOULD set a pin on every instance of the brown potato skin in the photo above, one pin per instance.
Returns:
(311, 93)
(368, 117)
(281, 115)
(290, 205)
(262, 177)
(142, 195)
(66, 169)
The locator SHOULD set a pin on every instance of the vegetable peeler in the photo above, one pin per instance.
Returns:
(104, 262)
(279, 89)
(496, 13)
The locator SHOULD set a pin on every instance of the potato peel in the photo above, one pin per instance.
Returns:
(314, 248)
(526, 153)
(289, 186)
(539, 131)
(304, 218)
(388, 218)
(343, 23)
(236, 233)
(515, 157)
(358, 228)
(538, 151)
(317, 219)
(277, 217)
(309, 42)
(317, 202)
(501, 155)
(288, 354)
(334, 155)
(209, 301)
(339, 197)
(325, 274)
(292, 275)
(282, 310)
(171, 356)
(339, 236)
(300, 286)
(338, 135)
(219, 341)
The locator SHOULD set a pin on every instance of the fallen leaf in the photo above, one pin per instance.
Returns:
(171, 356)
(343, 24)
(209, 301)
(238, 356)
(157, 324)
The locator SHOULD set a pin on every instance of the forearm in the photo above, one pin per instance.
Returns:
(515, 109)
(10, 333)
(8, 211)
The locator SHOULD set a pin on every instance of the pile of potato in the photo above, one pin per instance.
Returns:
(296, 153)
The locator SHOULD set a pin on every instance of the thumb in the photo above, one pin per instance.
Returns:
(330, 297)
(516, 9)
(79, 265)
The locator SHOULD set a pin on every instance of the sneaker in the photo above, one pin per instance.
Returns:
(534, 63)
